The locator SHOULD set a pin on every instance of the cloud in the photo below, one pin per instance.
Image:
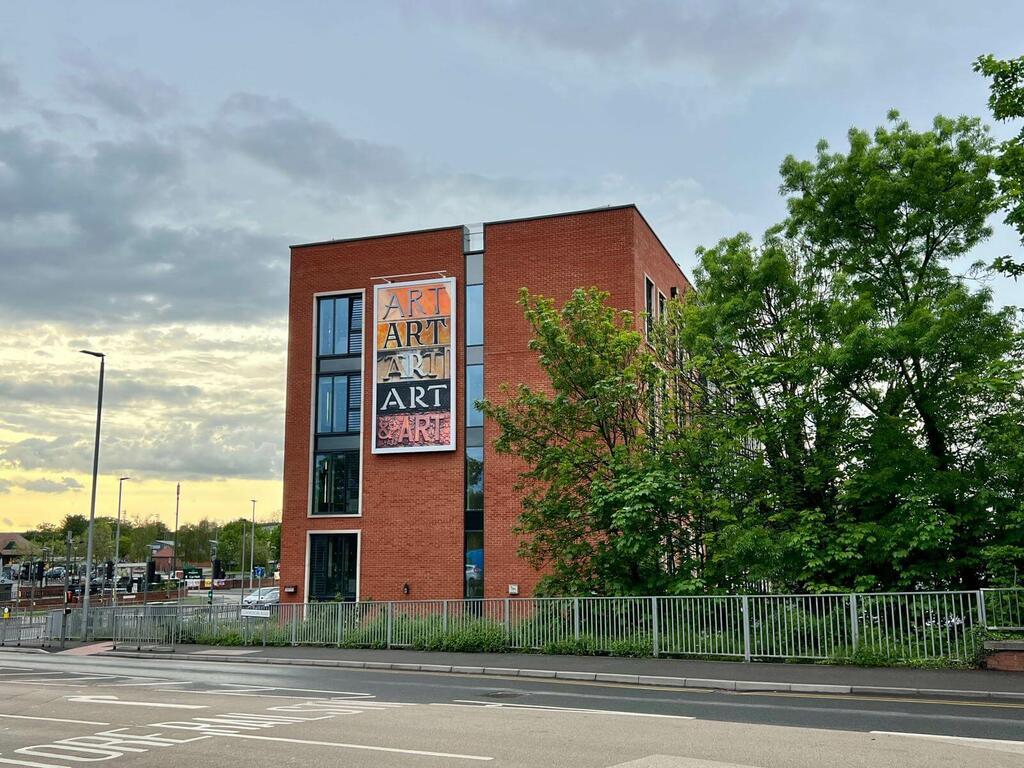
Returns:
(91, 236)
(724, 40)
(275, 133)
(5, 487)
(45, 485)
(128, 94)
(10, 87)
(163, 242)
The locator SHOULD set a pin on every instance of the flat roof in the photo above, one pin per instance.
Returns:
(497, 222)
(581, 212)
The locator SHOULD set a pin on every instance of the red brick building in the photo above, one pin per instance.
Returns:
(391, 487)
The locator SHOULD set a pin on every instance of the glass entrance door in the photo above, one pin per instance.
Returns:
(332, 566)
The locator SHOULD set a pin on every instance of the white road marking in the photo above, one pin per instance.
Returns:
(367, 747)
(117, 701)
(29, 763)
(154, 682)
(1002, 745)
(62, 681)
(30, 672)
(54, 720)
(543, 708)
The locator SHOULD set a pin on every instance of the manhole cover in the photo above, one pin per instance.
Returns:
(503, 695)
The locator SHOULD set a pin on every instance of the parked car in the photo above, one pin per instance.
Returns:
(263, 596)
(57, 572)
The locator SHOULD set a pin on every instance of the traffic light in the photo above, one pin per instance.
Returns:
(40, 570)
(218, 569)
(110, 569)
(150, 571)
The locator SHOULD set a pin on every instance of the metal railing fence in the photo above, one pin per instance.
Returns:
(893, 626)
(1004, 608)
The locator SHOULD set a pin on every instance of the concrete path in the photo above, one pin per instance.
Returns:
(806, 678)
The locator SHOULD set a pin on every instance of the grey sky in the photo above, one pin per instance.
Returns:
(157, 158)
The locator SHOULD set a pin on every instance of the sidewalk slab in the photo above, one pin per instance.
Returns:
(674, 673)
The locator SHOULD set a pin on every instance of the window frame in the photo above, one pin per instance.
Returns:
(350, 297)
(357, 532)
(349, 376)
(310, 513)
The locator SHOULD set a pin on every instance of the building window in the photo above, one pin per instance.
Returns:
(661, 304)
(474, 315)
(332, 566)
(472, 238)
(474, 392)
(338, 404)
(336, 483)
(340, 326)
(474, 545)
(649, 304)
(475, 478)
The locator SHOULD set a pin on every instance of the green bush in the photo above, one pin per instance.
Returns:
(479, 637)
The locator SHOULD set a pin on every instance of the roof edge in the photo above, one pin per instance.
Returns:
(404, 233)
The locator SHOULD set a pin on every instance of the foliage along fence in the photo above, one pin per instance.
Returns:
(872, 628)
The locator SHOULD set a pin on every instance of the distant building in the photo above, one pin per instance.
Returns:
(162, 553)
(392, 487)
(13, 546)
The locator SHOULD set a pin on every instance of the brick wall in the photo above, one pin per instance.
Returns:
(411, 524)
(412, 507)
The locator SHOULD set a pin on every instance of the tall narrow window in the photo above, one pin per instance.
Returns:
(338, 406)
(474, 392)
(336, 483)
(474, 315)
(649, 303)
(340, 322)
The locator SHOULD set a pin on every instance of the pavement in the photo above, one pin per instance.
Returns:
(62, 709)
(665, 673)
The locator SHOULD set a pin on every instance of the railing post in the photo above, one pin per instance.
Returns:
(444, 619)
(654, 626)
(508, 633)
(854, 621)
(982, 613)
(341, 613)
(746, 628)
(391, 606)
(576, 619)
(295, 621)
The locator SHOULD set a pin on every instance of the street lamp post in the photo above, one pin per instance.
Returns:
(252, 544)
(92, 504)
(117, 536)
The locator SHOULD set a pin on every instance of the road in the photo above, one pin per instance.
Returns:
(62, 710)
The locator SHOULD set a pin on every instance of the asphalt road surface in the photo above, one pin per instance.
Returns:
(71, 710)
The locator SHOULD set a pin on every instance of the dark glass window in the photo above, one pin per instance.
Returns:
(474, 565)
(338, 403)
(474, 315)
(340, 321)
(336, 483)
(649, 303)
(661, 304)
(332, 566)
(475, 478)
(474, 392)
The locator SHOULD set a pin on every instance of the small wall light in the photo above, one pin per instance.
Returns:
(405, 588)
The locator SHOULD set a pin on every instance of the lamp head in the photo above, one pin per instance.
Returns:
(90, 352)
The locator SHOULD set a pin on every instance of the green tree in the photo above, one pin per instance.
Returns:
(1006, 100)
(832, 408)
(860, 395)
(596, 504)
